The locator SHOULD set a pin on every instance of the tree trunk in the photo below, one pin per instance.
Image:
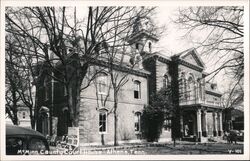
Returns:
(32, 119)
(115, 125)
(81, 72)
(15, 118)
(71, 108)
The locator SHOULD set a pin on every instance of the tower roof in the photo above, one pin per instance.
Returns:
(142, 27)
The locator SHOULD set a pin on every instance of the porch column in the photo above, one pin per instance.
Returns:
(198, 114)
(215, 123)
(181, 125)
(204, 130)
(220, 123)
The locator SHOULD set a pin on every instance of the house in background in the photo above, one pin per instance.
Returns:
(23, 115)
(198, 102)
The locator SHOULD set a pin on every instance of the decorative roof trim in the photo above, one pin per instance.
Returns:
(194, 53)
(213, 92)
(139, 72)
(200, 106)
(195, 67)
(197, 58)
(162, 59)
(142, 32)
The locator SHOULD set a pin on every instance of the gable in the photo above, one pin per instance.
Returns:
(193, 58)
(190, 59)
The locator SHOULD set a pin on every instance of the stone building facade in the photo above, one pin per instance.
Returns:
(198, 102)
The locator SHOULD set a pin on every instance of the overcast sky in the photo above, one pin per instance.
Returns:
(172, 41)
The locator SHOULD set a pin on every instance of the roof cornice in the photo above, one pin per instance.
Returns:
(139, 72)
(195, 67)
(213, 92)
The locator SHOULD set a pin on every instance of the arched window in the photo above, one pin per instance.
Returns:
(200, 88)
(190, 88)
(103, 121)
(165, 81)
(137, 122)
(137, 89)
(182, 86)
(102, 83)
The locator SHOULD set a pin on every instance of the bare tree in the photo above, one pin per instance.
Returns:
(233, 96)
(119, 57)
(222, 40)
(12, 97)
(68, 48)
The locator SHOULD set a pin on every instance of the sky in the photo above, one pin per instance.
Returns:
(172, 41)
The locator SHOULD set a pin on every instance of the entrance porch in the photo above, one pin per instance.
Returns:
(199, 123)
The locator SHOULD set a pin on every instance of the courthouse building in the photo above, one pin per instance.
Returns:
(199, 102)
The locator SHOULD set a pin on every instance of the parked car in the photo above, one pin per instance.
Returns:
(234, 136)
(240, 136)
(24, 141)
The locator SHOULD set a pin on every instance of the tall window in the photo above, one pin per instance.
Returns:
(46, 89)
(182, 86)
(137, 89)
(190, 88)
(102, 83)
(189, 84)
(24, 115)
(200, 89)
(137, 122)
(167, 124)
(103, 121)
(165, 81)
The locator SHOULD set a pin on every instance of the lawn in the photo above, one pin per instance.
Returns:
(211, 148)
(186, 148)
